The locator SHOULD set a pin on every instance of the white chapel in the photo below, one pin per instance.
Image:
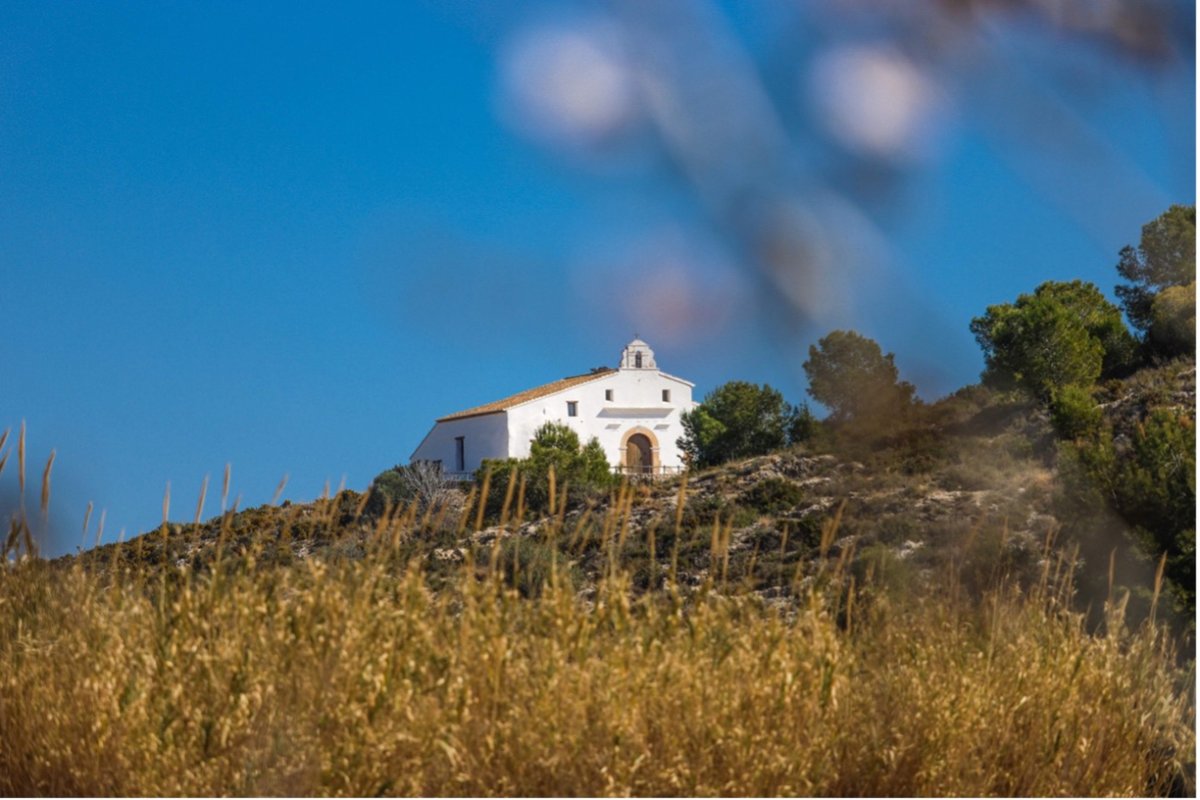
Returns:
(633, 410)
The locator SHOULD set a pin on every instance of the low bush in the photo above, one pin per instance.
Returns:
(1074, 413)
(419, 482)
(1151, 483)
(1155, 490)
(772, 496)
(581, 470)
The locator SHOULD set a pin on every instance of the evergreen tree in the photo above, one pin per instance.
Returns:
(850, 375)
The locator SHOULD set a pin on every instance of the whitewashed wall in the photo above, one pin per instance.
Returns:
(637, 403)
(485, 436)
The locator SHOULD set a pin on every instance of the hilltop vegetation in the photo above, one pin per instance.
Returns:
(979, 483)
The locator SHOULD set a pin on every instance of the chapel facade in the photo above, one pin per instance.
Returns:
(634, 411)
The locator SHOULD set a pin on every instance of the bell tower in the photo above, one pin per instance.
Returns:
(637, 355)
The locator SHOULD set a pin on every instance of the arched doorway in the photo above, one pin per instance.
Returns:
(639, 455)
(639, 452)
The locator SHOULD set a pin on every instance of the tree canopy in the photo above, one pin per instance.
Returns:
(1165, 257)
(1064, 334)
(739, 420)
(1173, 320)
(850, 375)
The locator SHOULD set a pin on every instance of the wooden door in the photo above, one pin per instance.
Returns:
(638, 457)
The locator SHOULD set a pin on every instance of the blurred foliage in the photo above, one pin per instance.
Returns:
(1173, 320)
(850, 375)
(531, 566)
(802, 129)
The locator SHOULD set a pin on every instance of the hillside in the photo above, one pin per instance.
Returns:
(972, 487)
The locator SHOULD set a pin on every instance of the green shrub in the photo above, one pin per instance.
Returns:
(739, 420)
(807, 530)
(741, 516)
(1061, 335)
(1156, 491)
(898, 528)
(1074, 413)
(922, 451)
(583, 471)
(1151, 484)
(1157, 481)
(388, 490)
(1086, 469)
(703, 509)
(772, 496)
(803, 425)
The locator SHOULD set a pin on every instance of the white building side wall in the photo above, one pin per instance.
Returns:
(485, 436)
(637, 403)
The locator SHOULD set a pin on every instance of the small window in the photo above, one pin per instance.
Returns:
(637, 360)
(608, 395)
(460, 454)
(572, 408)
(666, 395)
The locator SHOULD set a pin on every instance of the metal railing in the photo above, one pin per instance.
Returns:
(629, 472)
(646, 471)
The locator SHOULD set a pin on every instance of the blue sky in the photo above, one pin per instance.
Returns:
(290, 239)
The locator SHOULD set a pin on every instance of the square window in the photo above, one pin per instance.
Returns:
(572, 408)
(666, 395)
(608, 394)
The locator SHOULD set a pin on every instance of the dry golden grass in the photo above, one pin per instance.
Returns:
(355, 677)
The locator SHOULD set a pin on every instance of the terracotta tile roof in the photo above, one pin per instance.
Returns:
(527, 395)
